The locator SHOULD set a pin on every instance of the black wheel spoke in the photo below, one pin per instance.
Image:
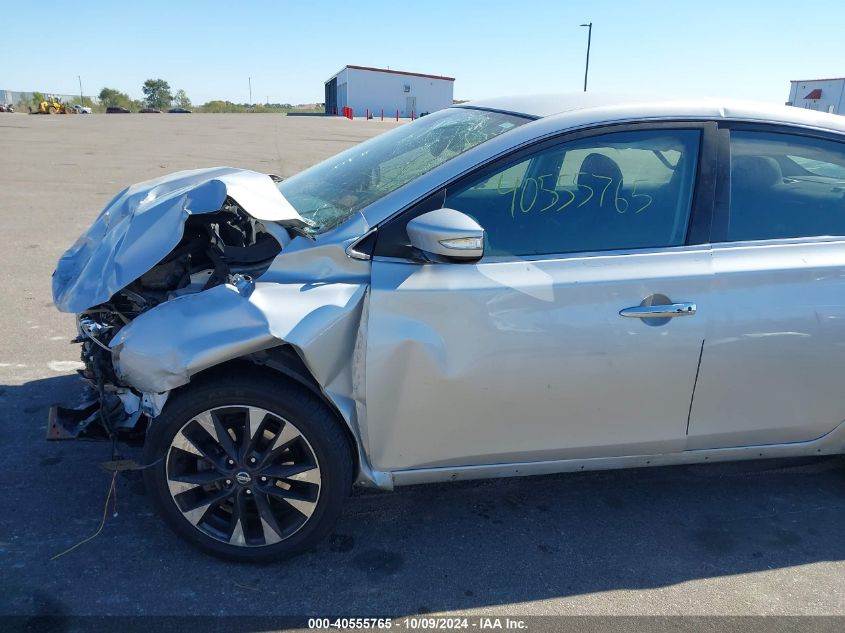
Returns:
(195, 507)
(281, 493)
(301, 502)
(201, 478)
(223, 438)
(198, 441)
(189, 503)
(244, 438)
(255, 424)
(284, 440)
(270, 526)
(283, 471)
(239, 516)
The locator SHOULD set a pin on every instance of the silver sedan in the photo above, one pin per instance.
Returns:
(513, 287)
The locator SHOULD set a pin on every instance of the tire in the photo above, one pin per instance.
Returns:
(284, 482)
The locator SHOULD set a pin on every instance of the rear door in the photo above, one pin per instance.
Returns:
(774, 357)
(555, 344)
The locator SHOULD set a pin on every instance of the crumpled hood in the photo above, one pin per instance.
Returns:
(144, 222)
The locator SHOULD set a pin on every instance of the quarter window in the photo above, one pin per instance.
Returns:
(784, 186)
(616, 191)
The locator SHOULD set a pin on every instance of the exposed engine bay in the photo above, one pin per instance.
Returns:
(213, 248)
(226, 246)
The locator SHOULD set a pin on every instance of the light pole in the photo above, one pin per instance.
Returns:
(250, 91)
(79, 77)
(589, 38)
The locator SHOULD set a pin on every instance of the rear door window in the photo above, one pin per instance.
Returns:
(785, 186)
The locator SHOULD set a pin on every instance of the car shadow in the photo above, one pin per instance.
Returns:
(468, 545)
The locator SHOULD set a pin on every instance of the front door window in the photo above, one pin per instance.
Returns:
(611, 192)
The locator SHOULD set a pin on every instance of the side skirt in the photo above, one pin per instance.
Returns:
(832, 443)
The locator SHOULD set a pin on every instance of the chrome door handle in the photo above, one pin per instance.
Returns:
(659, 312)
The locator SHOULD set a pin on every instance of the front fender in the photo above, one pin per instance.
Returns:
(163, 347)
(324, 322)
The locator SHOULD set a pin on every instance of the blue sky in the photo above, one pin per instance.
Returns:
(720, 47)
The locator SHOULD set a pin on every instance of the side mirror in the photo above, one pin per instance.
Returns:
(446, 233)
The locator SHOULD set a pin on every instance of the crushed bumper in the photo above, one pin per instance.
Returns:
(81, 422)
(94, 418)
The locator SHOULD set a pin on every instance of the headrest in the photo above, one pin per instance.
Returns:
(599, 165)
(755, 171)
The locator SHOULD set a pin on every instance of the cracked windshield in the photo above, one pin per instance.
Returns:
(332, 191)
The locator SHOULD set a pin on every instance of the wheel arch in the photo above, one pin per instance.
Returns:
(283, 361)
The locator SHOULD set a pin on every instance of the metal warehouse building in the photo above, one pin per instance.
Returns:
(376, 89)
(825, 95)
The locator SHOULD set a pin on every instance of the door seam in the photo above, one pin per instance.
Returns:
(694, 384)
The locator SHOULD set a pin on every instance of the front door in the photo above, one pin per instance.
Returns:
(410, 106)
(552, 346)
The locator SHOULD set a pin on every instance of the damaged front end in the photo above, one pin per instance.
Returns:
(155, 242)
(107, 408)
(104, 409)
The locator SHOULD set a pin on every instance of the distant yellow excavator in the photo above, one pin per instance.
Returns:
(54, 105)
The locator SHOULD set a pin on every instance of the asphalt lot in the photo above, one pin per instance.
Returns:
(733, 539)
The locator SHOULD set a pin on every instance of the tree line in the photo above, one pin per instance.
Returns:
(158, 95)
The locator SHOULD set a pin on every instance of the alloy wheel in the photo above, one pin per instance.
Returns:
(243, 475)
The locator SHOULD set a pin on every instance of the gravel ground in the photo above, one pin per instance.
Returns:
(732, 539)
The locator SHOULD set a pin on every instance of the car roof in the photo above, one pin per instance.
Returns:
(604, 108)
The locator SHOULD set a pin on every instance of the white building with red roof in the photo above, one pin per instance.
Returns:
(824, 95)
(381, 89)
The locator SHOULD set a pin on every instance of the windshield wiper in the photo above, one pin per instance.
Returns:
(302, 229)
